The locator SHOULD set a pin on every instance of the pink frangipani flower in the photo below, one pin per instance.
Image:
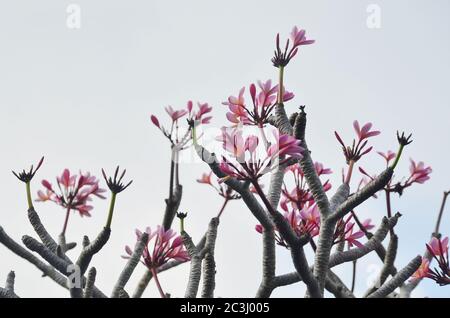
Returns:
(180, 135)
(438, 247)
(358, 149)
(298, 38)
(244, 163)
(388, 156)
(73, 191)
(364, 132)
(419, 172)
(166, 246)
(263, 102)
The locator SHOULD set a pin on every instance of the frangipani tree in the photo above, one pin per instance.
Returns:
(297, 209)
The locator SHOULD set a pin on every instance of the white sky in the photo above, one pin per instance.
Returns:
(83, 98)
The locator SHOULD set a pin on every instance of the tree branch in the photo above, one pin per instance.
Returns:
(130, 266)
(398, 279)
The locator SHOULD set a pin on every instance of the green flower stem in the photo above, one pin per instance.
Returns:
(30, 201)
(194, 136)
(111, 210)
(280, 84)
(181, 225)
(397, 158)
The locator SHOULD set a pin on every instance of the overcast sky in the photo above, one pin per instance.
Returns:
(82, 97)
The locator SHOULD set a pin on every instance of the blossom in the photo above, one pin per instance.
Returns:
(263, 103)
(352, 237)
(321, 170)
(367, 224)
(388, 156)
(300, 194)
(155, 121)
(304, 222)
(438, 247)
(177, 135)
(345, 231)
(358, 148)
(203, 109)
(364, 132)
(162, 246)
(245, 163)
(298, 38)
(73, 192)
(419, 172)
(285, 145)
(422, 271)
(175, 114)
(205, 178)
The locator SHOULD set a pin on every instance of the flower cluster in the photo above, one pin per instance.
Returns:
(298, 38)
(358, 148)
(73, 192)
(300, 194)
(166, 246)
(304, 222)
(174, 135)
(245, 163)
(345, 231)
(438, 249)
(263, 103)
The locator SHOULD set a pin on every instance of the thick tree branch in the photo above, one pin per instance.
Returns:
(130, 266)
(358, 252)
(281, 120)
(90, 281)
(92, 248)
(172, 205)
(398, 279)
(196, 264)
(387, 265)
(209, 265)
(362, 195)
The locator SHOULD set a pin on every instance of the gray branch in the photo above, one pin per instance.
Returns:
(281, 120)
(90, 249)
(130, 266)
(355, 253)
(396, 281)
(172, 205)
(90, 281)
(196, 264)
(362, 195)
(10, 280)
(387, 265)
(209, 265)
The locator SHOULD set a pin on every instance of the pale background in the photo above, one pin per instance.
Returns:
(83, 98)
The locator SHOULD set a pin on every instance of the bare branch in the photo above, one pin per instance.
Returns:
(130, 266)
(398, 279)
(172, 205)
(92, 248)
(90, 281)
(209, 265)
(362, 195)
(196, 263)
(387, 266)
